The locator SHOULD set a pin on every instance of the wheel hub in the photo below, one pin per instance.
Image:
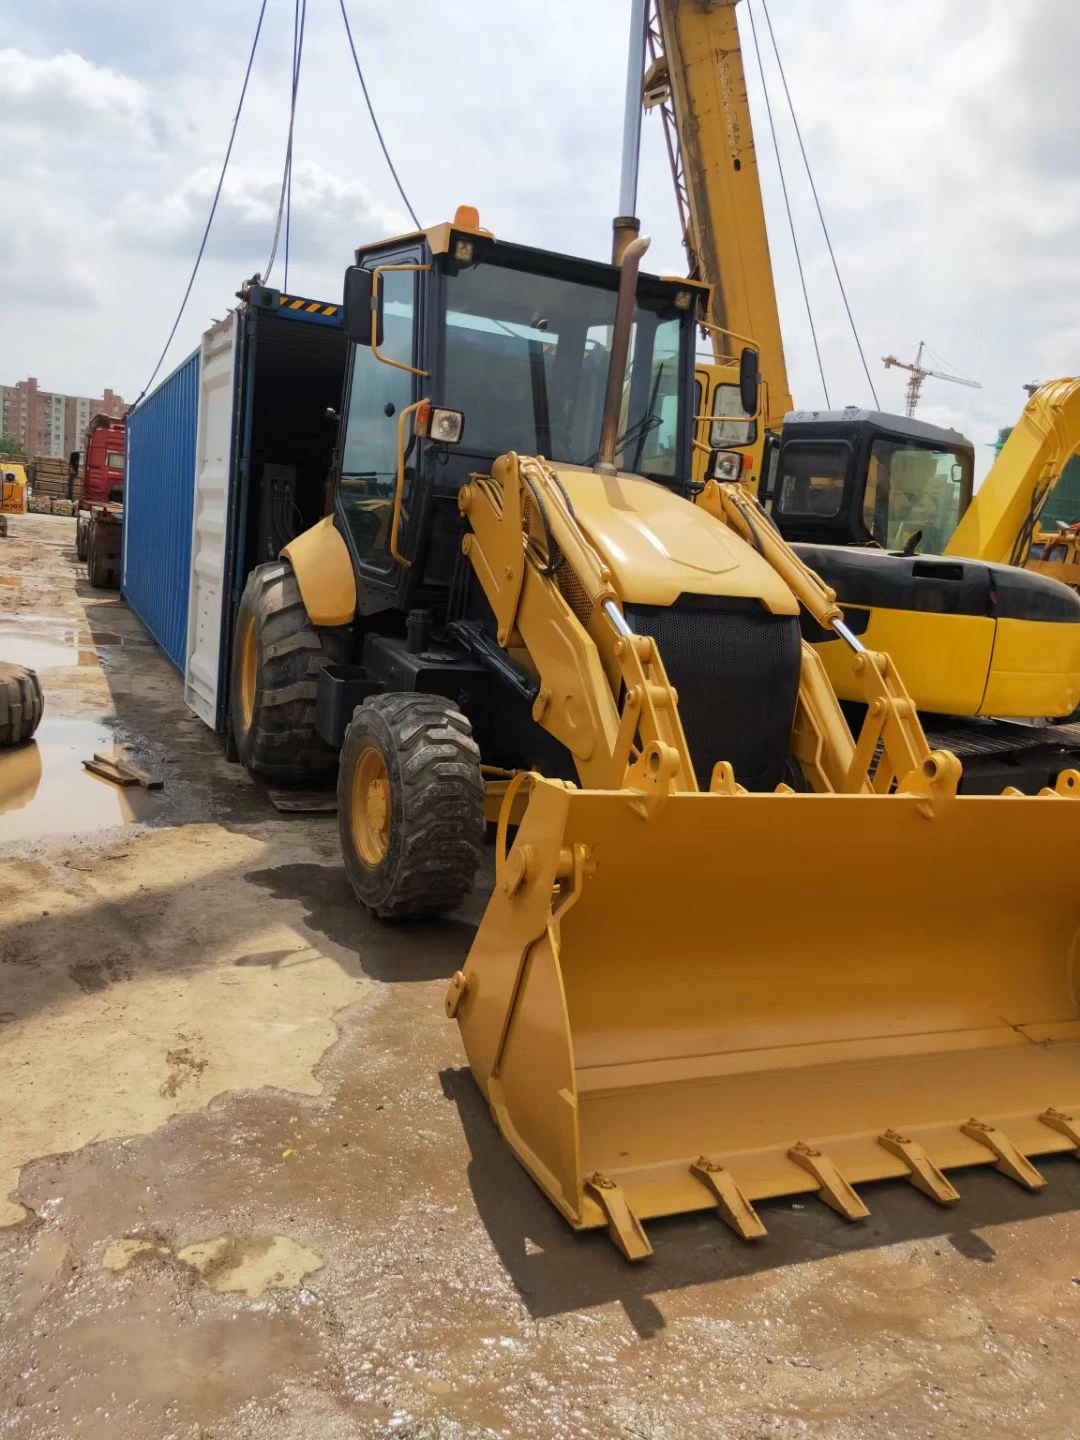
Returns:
(371, 807)
(249, 671)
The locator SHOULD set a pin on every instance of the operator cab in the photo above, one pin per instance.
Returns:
(463, 348)
(861, 477)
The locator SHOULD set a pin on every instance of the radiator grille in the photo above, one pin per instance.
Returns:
(736, 669)
(574, 593)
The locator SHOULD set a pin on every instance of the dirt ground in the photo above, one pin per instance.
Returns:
(249, 1189)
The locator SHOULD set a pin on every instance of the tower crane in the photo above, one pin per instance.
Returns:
(919, 373)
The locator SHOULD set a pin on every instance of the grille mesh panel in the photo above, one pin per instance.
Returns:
(736, 670)
(573, 592)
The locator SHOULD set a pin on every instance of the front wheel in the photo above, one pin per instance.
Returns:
(277, 656)
(410, 805)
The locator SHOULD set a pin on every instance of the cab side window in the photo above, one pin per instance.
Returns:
(377, 395)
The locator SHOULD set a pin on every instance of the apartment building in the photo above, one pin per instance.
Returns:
(48, 423)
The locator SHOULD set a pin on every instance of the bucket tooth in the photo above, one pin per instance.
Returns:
(1068, 1125)
(832, 1187)
(1010, 1161)
(624, 1227)
(735, 1209)
(922, 1172)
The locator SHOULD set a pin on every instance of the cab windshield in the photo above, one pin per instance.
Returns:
(526, 359)
(915, 490)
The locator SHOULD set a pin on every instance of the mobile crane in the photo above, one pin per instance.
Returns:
(861, 494)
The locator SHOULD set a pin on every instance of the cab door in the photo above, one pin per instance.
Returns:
(382, 382)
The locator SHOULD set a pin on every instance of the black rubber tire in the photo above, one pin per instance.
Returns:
(21, 704)
(436, 805)
(99, 572)
(280, 742)
(81, 532)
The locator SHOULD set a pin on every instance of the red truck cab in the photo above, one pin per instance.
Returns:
(100, 513)
(103, 462)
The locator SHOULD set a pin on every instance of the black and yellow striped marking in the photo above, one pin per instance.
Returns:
(309, 307)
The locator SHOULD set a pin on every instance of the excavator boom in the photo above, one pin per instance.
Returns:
(1002, 519)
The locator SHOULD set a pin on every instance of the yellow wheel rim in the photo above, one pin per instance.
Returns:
(370, 806)
(249, 671)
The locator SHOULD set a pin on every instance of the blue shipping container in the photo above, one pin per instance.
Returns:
(159, 485)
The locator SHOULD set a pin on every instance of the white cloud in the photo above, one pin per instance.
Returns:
(66, 99)
(943, 138)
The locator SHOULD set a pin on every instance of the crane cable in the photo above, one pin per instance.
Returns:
(817, 202)
(371, 112)
(213, 206)
(284, 210)
(787, 207)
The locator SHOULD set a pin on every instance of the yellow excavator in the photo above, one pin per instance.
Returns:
(881, 506)
(515, 607)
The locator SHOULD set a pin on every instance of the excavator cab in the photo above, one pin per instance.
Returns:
(860, 477)
(875, 504)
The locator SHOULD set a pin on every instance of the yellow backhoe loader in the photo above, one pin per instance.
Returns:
(660, 1005)
(879, 505)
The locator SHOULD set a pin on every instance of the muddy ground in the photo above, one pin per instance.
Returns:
(249, 1189)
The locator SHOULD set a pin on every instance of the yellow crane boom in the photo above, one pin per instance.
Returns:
(696, 79)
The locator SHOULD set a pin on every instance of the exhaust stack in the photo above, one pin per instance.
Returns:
(620, 350)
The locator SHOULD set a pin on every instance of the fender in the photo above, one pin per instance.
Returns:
(323, 568)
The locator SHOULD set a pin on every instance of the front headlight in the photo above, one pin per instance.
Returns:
(726, 465)
(446, 426)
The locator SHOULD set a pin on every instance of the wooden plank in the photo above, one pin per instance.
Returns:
(109, 772)
(138, 776)
(304, 802)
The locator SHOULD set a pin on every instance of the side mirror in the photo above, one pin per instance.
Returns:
(749, 379)
(361, 322)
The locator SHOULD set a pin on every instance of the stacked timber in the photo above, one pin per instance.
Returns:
(50, 478)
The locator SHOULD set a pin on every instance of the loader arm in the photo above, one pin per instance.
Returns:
(822, 742)
(523, 533)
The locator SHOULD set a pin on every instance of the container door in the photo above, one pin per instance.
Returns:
(213, 452)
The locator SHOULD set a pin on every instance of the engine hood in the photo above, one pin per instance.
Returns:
(660, 546)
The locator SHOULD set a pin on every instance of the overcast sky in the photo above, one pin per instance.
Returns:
(944, 138)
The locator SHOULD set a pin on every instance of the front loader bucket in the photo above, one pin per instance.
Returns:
(726, 997)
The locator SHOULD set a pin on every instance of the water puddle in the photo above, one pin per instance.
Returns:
(41, 646)
(44, 790)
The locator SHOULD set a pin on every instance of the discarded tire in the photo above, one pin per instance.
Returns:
(21, 704)
(410, 805)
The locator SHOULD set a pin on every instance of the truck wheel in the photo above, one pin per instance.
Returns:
(410, 805)
(99, 571)
(21, 704)
(277, 656)
(81, 526)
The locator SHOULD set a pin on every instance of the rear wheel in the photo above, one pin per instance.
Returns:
(21, 704)
(277, 656)
(100, 569)
(81, 525)
(410, 805)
